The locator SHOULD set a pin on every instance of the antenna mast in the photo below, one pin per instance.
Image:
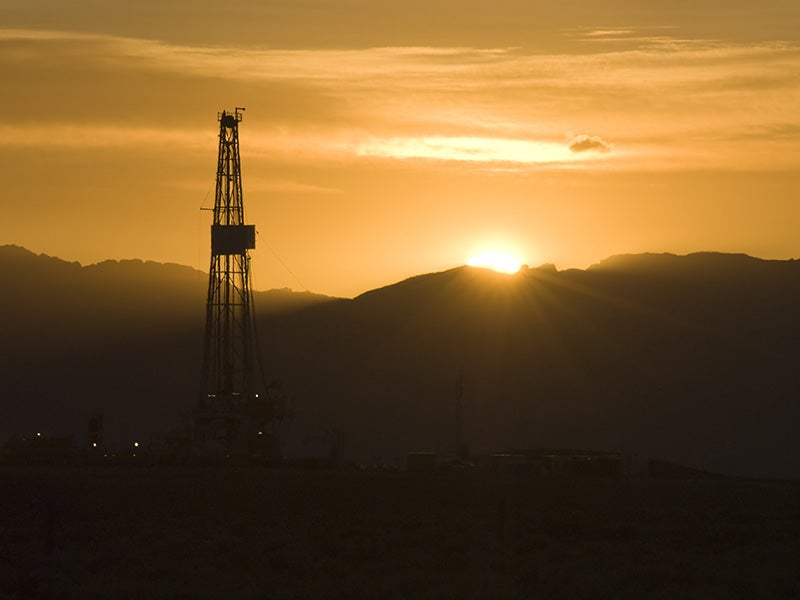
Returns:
(462, 449)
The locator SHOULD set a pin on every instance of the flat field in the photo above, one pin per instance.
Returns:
(222, 532)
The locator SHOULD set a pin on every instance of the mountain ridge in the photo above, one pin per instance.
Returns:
(18, 262)
(694, 364)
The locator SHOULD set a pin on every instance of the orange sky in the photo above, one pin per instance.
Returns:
(386, 139)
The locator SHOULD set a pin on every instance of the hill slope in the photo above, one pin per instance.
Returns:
(687, 358)
(123, 338)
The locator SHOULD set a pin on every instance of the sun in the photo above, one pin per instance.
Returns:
(501, 262)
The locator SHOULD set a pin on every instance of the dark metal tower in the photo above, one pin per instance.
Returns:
(225, 411)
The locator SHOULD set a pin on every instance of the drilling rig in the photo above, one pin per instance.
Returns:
(231, 416)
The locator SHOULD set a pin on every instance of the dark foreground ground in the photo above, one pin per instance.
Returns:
(254, 532)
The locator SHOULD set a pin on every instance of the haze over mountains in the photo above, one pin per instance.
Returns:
(687, 358)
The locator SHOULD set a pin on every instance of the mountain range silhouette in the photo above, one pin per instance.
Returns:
(692, 359)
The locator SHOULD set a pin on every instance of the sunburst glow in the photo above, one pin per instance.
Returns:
(496, 261)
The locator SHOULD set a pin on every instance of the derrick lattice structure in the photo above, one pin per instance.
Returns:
(225, 414)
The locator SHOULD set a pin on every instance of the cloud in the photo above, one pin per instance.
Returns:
(259, 186)
(286, 186)
(103, 136)
(609, 32)
(481, 105)
(588, 143)
(467, 149)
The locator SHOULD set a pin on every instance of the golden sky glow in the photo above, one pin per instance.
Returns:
(386, 139)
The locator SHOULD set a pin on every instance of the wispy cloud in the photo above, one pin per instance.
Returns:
(465, 104)
(608, 32)
(468, 149)
(262, 185)
(287, 186)
(103, 137)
